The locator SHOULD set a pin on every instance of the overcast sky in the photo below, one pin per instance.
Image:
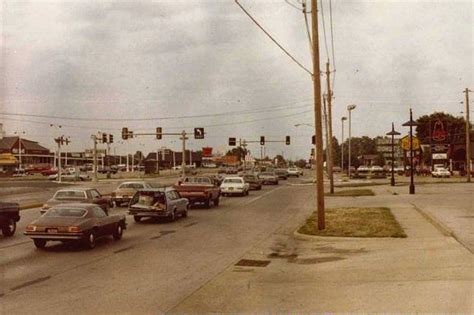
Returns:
(163, 59)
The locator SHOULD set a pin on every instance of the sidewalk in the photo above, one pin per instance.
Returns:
(425, 272)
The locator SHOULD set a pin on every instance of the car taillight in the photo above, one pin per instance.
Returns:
(30, 228)
(74, 229)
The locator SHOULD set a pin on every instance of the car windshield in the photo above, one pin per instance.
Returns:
(249, 177)
(267, 174)
(131, 186)
(66, 212)
(197, 180)
(233, 180)
(70, 194)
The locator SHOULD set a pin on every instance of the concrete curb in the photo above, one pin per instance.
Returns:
(306, 237)
(433, 220)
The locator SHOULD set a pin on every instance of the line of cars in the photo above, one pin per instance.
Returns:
(81, 215)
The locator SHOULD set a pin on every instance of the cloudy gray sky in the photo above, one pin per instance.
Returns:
(158, 60)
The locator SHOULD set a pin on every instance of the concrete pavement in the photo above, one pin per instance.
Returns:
(425, 272)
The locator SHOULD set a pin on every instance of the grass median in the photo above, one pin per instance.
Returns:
(355, 222)
(352, 193)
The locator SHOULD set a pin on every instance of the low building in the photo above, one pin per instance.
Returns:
(26, 151)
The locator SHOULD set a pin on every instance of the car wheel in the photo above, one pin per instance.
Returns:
(216, 201)
(184, 214)
(118, 232)
(137, 218)
(207, 203)
(10, 228)
(90, 240)
(40, 244)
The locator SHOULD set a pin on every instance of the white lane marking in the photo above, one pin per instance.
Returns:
(262, 195)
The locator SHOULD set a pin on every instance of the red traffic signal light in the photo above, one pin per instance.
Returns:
(287, 140)
(262, 140)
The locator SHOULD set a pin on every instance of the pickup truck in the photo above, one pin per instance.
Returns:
(199, 189)
(9, 216)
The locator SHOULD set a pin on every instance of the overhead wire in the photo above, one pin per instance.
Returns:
(332, 44)
(307, 26)
(273, 39)
(324, 30)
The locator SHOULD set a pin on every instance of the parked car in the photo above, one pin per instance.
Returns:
(105, 170)
(281, 173)
(293, 171)
(441, 172)
(233, 185)
(158, 202)
(126, 190)
(77, 195)
(9, 216)
(268, 178)
(75, 222)
(49, 172)
(199, 189)
(254, 182)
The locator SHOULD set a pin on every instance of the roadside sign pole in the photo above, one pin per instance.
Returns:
(59, 164)
(94, 156)
(183, 160)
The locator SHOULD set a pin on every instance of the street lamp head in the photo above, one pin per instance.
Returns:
(343, 118)
(410, 123)
(351, 107)
(393, 132)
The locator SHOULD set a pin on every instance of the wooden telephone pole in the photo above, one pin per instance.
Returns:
(329, 149)
(317, 118)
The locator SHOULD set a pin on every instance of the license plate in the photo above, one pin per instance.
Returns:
(231, 188)
(52, 230)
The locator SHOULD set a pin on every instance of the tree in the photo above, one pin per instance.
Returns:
(238, 151)
(301, 163)
(280, 159)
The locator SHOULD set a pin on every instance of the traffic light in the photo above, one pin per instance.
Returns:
(312, 152)
(198, 133)
(124, 133)
(159, 132)
(104, 138)
(287, 140)
(67, 141)
(111, 138)
(262, 140)
(313, 139)
(232, 142)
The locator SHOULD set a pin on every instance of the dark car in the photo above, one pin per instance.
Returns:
(76, 222)
(78, 195)
(158, 202)
(9, 216)
(254, 182)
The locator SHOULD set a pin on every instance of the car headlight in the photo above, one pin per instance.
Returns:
(30, 228)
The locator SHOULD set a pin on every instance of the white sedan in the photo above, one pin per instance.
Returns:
(234, 185)
(293, 171)
(441, 172)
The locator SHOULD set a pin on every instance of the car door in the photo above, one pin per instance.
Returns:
(180, 202)
(170, 201)
(98, 199)
(102, 221)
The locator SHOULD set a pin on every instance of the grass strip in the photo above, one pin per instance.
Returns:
(355, 222)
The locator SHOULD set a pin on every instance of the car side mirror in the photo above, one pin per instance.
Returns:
(179, 183)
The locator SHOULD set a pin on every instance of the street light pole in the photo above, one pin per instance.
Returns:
(342, 143)
(410, 124)
(393, 133)
(350, 108)
(468, 135)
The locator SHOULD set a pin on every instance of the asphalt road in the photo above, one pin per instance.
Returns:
(154, 266)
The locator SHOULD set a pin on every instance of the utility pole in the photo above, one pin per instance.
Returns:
(183, 162)
(317, 118)
(330, 158)
(468, 137)
(326, 132)
(94, 156)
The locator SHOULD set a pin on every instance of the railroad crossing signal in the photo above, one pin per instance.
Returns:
(198, 133)
(232, 142)
(287, 140)
(159, 132)
(124, 133)
(111, 138)
(262, 140)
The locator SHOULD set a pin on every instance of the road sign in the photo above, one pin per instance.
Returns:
(440, 156)
(405, 143)
(198, 133)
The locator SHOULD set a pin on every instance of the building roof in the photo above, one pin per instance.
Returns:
(7, 143)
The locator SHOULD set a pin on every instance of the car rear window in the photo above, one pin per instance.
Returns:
(131, 185)
(66, 212)
(233, 180)
(197, 180)
(147, 198)
(70, 194)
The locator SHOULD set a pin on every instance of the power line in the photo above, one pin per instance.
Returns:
(324, 30)
(307, 27)
(291, 4)
(270, 36)
(239, 112)
(332, 43)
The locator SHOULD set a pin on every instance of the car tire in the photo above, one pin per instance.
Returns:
(10, 228)
(172, 217)
(137, 218)
(184, 214)
(216, 201)
(90, 240)
(39, 243)
(118, 232)
(207, 203)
